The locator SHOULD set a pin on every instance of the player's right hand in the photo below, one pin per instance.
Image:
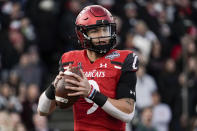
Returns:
(82, 88)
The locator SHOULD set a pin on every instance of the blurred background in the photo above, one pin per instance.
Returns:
(163, 33)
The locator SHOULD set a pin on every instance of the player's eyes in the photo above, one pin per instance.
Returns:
(96, 30)
(93, 31)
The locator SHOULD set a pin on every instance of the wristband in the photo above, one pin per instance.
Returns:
(50, 92)
(97, 97)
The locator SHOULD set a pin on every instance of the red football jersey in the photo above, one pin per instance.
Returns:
(103, 75)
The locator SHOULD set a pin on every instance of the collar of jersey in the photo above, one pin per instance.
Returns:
(87, 59)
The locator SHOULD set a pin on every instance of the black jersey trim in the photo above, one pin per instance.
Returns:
(116, 63)
(67, 63)
(61, 65)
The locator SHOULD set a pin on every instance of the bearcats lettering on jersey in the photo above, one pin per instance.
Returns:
(95, 73)
(104, 75)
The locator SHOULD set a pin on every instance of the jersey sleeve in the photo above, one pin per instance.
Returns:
(131, 63)
(127, 82)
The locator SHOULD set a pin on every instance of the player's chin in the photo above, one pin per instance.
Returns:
(101, 43)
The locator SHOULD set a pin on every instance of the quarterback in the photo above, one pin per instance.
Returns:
(107, 86)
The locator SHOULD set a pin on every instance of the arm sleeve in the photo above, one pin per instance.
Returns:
(127, 82)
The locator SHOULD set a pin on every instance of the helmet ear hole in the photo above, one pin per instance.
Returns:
(79, 35)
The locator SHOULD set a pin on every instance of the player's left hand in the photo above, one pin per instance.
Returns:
(83, 87)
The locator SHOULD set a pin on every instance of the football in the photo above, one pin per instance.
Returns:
(62, 99)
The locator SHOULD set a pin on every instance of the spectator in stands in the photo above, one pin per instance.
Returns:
(30, 106)
(192, 32)
(29, 68)
(170, 10)
(14, 81)
(194, 124)
(15, 119)
(143, 39)
(13, 45)
(148, 13)
(22, 92)
(119, 38)
(146, 120)
(67, 24)
(41, 123)
(8, 101)
(5, 124)
(155, 64)
(188, 45)
(20, 127)
(130, 18)
(145, 86)
(189, 81)
(170, 91)
(161, 113)
(129, 41)
(28, 29)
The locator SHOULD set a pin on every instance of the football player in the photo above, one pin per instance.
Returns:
(107, 87)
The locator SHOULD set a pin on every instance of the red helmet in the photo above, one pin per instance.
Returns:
(95, 16)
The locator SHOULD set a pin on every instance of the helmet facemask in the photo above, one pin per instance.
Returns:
(99, 47)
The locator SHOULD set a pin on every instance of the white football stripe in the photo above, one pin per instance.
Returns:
(66, 67)
(117, 67)
(68, 72)
(60, 99)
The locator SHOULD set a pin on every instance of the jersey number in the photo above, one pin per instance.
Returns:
(95, 106)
